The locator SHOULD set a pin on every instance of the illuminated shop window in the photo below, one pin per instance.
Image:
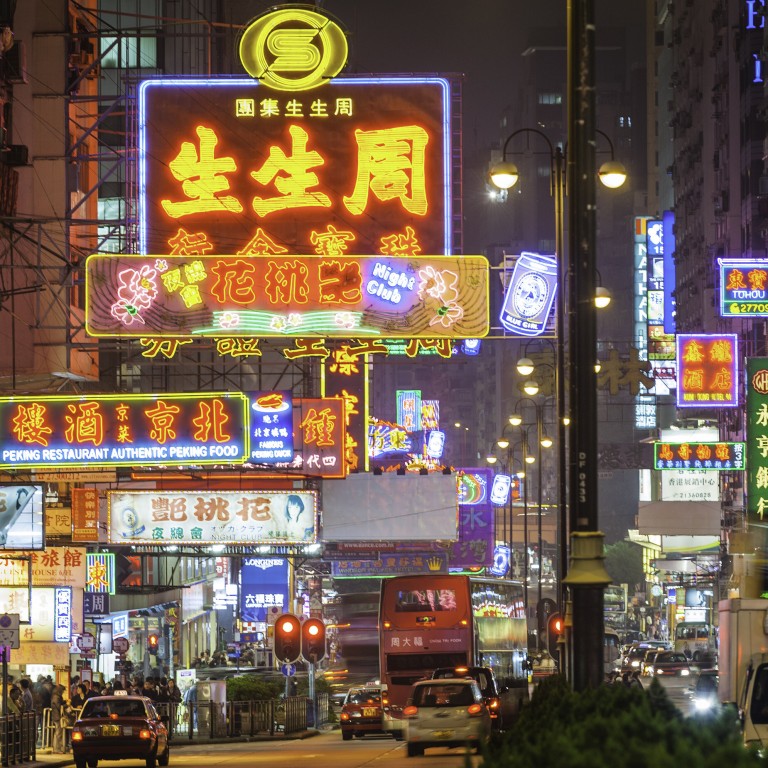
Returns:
(128, 52)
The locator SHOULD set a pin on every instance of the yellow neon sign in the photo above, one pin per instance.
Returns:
(293, 49)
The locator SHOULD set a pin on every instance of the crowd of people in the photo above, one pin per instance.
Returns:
(24, 696)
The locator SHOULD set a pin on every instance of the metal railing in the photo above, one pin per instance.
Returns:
(214, 720)
(18, 738)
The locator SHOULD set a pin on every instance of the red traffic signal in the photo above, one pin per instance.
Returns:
(152, 643)
(287, 638)
(313, 640)
(555, 627)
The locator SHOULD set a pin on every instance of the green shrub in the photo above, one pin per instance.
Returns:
(615, 727)
(250, 688)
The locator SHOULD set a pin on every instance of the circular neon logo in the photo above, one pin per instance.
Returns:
(293, 49)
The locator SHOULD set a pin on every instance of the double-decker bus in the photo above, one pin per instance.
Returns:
(437, 620)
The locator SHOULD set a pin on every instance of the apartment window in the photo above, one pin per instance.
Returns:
(551, 98)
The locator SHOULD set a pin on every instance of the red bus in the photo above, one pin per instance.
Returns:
(437, 620)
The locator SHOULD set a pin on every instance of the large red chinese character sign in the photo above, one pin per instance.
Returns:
(707, 370)
(229, 166)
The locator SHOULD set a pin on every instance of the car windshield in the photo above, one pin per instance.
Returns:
(444, 696)
(481, 676)
(363, 697)
(106, 708)
(671, 658)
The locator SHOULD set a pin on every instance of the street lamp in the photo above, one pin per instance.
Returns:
(581, 269)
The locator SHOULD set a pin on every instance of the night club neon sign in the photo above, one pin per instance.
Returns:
(286, 296)
(123, 430)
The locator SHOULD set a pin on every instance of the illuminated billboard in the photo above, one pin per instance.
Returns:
(743, 287)
(205, 517)
(530, 295)
(123, 430)
(708, 370)
(22, 517)
(286, 296)
(696, 455)
(361, 166)
(757, 439)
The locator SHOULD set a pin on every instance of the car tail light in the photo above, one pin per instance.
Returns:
(493, 703)
(410, 711)
(145, 733)
(77, 736)
(475, 710)
(345, 716)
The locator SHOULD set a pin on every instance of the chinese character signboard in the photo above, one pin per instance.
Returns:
(287, 296)
(72, 430)
(320, 433)
(271, 427)
(387, 441)
(96, 603)
(85, 514)
(263, 585)
(757, 438)
(62, 628)
(22, 517)
(54, 567)
(743, 287)
(227, 517)
(100, 572)
(708, 370)
(476, 520)
(661, 344)
(390, 565)
(720, 456)
(362, 166)
(408, 409)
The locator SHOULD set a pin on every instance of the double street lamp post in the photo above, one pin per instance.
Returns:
(577, 512)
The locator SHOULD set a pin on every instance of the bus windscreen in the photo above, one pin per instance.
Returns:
(426, 600)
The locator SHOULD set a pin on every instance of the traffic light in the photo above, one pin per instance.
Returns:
(287, 638)
(554, 630)
(313, 640)
(153, 641)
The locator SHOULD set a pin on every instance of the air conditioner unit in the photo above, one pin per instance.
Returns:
(15, 64)
(15, 154)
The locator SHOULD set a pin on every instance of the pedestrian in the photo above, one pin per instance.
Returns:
(174, 694)
(59, 719)
(26, 695)
(80, 696)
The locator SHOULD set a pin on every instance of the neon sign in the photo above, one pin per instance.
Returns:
(293, 49)
(271, 427)
(708, 370)
(362, 167)
(743, 287)
(286, 296)
(757, 438)
(123, 430)
(62, 629)
(408, 409)
(720, 456)
(228, 517)
(530, 295)
(100, 572)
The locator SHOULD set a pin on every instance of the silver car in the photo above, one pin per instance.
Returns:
(446, 713)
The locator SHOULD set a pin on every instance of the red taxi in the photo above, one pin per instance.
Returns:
(119, 727)
(362, 711)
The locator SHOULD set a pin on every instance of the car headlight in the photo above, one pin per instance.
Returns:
(685, 672)
(702, 705)
(635, 664)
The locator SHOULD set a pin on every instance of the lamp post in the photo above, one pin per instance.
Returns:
(578, 510)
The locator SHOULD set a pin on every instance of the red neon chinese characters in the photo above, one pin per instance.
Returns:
(318, 427)
(29, 424)
(202, 178)
(295, 182)
(735, 280)
(287, 283)
(693, 352)
(757, 279)
(721, 352)
(234, 282)
(162, 417)
(86, 423)
(332, 242)
(684, 451)
(390, 163)
(340, 284)
(665, 452)
(211, 422)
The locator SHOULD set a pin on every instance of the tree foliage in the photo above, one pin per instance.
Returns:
(615, 727)
(624, 563)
